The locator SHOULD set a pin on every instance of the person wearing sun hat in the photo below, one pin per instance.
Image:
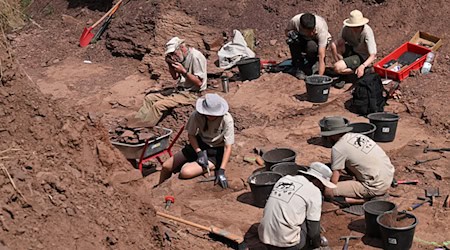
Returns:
(355, 48)
(293, 211)
(187, 66)
(359, 156)
(210, 131)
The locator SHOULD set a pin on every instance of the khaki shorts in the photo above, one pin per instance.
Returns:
(352, 189)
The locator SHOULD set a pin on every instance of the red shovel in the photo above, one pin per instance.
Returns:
(87, 35)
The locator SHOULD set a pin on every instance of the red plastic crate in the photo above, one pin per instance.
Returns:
(400, 75)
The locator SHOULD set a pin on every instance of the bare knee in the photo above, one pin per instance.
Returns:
(190, 170)
(339, 67)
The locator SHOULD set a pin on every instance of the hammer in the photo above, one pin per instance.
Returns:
(347, 240)
(395, 182)
(426, 149)
(427, 160)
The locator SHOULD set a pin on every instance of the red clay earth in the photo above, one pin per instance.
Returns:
(80, 192)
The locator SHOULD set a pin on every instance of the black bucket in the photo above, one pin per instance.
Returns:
(371, 211)
(386, 125)
(249, 68)
(261, 184)
(278, 155)
(287, 168)
(397, 237)
(364, 128)
(317, 88)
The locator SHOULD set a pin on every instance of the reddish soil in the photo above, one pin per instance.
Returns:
(78, 191)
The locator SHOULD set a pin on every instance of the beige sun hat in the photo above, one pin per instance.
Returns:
(356, 19)
(211, 104)
(173, 44)
(321, 172)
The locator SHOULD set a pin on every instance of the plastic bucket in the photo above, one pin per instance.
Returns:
(386, 124)
(371, 211)
(278, 155)
(364, 128)
(317, 88)
(287, 168)
(261, 184)
(249, 68)
(400, 236)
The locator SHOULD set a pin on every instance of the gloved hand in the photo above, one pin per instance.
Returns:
(202, 159)
(220, 178)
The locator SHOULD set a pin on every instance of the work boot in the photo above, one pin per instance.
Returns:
(299, 74)
(339, 84)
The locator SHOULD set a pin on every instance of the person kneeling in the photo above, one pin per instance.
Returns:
(211, 134)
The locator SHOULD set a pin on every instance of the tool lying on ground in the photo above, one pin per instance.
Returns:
(425, 200)
(347, 240)
(87, 34)
(427, 160)
(169, 200)
(395, 182)
(428, 149)
(432, 192)
(104, 26)
(208, 179)
(212, 229)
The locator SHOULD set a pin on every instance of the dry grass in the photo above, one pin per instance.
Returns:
(11, 16)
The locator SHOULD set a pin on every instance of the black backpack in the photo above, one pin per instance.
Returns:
(369, 95)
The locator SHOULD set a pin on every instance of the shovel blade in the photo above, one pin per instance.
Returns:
(86, 37)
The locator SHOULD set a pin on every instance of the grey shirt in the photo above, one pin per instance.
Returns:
(195, 63)
(363, 44)
(219, 132)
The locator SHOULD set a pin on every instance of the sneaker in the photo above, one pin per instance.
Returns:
(299, 74)
(339, 84)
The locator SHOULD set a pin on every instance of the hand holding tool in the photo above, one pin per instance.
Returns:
(347, 240)
(220, 178)
(427, 149)
(169, 200)
(202, 160)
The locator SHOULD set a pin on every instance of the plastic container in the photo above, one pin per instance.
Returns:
(261, 184)
(278, 155)
(428, 63)
(371, 211)
(364, 128)
(402, 74)
(318, 88)
(386, 124)
(249, 68)
(397, 238)
(287, 168)
(134, 151)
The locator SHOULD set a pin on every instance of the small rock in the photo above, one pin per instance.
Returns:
(281, 55)
(70, 211)
(273, 42)
(55, 61)
(125, 177)
(44, 64)
(82, 118)
(11, 37)
(20, 231)
(111, 240)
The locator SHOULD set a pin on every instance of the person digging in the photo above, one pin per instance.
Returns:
(359, 156)
(355, 48)
(188, 67)
(291, 218)
(210, 131)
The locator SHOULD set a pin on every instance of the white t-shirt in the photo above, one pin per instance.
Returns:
(293, 199)
(363, 44)
(321, 30)
(358, 152)
(219, 132)
(195, 63)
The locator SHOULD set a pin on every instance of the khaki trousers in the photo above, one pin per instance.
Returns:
(155, 104)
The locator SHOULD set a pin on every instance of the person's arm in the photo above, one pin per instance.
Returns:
(194, 143)
(313, 232)
(179, 68)
(335, 176)
(334, 49)
(360, 70)
(321, 60)
(226, 156)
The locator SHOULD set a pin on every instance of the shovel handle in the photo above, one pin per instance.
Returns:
(226, 234)
(112, 10)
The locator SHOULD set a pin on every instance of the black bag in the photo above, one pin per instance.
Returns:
(369, 95)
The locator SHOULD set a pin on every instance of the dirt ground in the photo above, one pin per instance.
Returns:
(79, 192)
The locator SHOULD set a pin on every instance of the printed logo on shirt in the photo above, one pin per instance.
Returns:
(362, 143)
(285, 190)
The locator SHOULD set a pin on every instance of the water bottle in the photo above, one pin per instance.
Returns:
(427, 65)
(225, 84)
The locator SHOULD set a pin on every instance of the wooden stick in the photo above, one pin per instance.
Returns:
(10, 149)
(12, 182)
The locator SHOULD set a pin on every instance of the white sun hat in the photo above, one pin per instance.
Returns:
(321, 172)
(212, 104)
(173, 44)
(356, 19)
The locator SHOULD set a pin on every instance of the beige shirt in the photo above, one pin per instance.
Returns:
(293, 199)
(219, 132)
(321, 30)
(195, 63)
(363, 44)
(358, 152)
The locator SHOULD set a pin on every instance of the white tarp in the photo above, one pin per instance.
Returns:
(233, 51)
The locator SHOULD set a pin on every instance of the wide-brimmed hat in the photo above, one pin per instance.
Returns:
(173, 44)
(321, 172)
(335, 125)
(211, 104)
(356, 19)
